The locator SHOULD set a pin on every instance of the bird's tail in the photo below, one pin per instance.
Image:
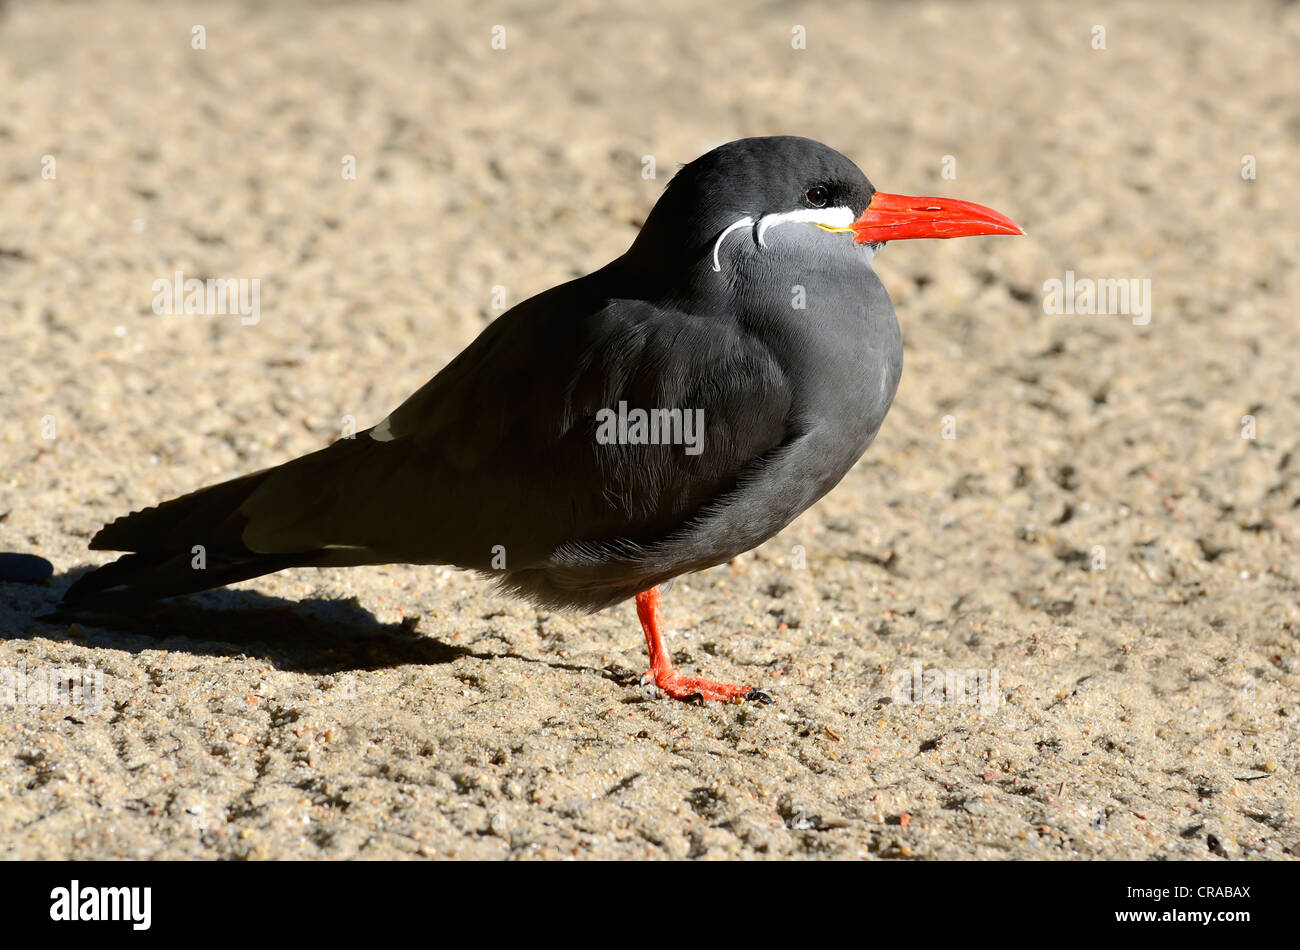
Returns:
(188, 544)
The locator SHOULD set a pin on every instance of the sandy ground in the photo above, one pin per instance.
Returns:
(1098, 534)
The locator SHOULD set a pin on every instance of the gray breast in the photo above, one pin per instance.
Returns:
(815, 299)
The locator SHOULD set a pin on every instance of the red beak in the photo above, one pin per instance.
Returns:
(899, 217)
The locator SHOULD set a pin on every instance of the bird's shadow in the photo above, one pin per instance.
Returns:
(307, 636)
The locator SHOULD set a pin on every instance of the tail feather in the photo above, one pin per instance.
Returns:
(165, 561)
(209, 516)
(133, 578)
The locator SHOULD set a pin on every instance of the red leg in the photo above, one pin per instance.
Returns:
(668, 679)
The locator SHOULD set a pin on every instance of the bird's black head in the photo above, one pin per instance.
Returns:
(774, 180)
(759, 183)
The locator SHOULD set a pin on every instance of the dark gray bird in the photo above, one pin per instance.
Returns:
(661, 415)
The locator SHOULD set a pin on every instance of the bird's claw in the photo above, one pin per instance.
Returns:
(698, 691)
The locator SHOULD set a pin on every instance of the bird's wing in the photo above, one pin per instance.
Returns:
(500, 454)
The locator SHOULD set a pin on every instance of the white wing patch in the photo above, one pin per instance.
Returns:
(830, 219)
(383, 432)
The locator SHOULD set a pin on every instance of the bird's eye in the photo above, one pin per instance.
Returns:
(817, 196)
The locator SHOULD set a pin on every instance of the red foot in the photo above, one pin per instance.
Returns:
(662, 674)
(696, 687)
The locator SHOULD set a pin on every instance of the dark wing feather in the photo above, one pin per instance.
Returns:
(499, 451)
(500, 448)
